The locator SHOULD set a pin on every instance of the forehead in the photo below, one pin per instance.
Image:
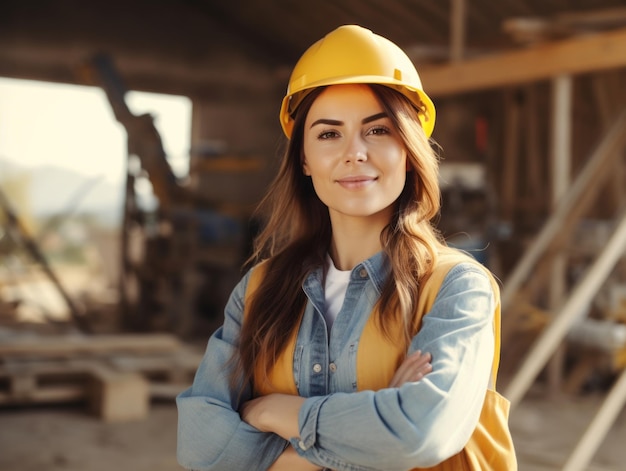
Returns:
(345, 99)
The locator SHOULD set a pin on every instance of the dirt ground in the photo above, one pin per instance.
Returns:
(66, 438)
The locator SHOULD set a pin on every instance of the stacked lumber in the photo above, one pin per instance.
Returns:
(117, 376)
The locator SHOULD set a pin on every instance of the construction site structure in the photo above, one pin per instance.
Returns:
(542, 163)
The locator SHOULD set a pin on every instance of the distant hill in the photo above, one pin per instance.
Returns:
(55, 190)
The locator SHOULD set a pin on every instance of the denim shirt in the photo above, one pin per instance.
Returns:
(416, 425)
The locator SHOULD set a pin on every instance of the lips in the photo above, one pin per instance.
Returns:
(357, 181)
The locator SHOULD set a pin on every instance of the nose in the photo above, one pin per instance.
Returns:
(356, 150)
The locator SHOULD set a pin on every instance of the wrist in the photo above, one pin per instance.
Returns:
(280, 415)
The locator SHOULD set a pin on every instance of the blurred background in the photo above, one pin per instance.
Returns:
(137, 137)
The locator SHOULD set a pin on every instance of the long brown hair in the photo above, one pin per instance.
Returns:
(297, 235)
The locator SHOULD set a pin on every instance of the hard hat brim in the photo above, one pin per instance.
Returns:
(293, 99)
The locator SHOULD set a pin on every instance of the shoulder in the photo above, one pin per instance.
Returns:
(449, 257)
(251, 281)
(454, 266)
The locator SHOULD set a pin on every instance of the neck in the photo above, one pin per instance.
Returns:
(355, 239)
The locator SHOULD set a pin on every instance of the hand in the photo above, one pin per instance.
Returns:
(413, 368)
(251, 412)
(277, 413)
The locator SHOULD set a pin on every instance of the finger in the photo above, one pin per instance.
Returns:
(413, 368)
(415, 360)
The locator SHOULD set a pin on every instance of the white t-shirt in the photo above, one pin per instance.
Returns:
(335, 287)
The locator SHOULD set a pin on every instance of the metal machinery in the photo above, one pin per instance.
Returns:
(181, 257)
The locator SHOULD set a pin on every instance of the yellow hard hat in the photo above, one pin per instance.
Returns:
(353, 54)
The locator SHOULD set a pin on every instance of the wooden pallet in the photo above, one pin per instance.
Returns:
(116, 376)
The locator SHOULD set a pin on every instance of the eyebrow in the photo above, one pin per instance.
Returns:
(334, 122)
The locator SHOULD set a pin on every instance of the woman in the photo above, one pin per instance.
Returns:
(319, 362)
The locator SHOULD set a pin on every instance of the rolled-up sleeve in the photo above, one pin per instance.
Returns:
(423, 423)
(211, 434)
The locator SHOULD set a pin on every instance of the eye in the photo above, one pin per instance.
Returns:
(327, 135)
(379, 130)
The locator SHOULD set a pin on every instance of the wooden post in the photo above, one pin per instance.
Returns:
(457, 30)
(561, 168)
(561, 136)
(554, 333)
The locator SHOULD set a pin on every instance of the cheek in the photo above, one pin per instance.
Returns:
(403, 165)
(402, 171)
(317, 164)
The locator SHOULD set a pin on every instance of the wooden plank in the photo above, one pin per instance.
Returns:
(47, 395)
(101, 381)
(578, 55)
(73, 345)
(185, 361)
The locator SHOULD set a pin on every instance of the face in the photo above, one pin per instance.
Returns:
(353, 154)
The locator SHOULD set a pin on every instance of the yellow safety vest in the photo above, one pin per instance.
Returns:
(490, 446)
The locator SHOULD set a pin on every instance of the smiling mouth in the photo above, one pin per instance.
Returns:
(356, 182)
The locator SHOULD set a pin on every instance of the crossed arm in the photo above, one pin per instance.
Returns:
(278, 413)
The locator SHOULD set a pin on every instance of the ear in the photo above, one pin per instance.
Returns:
(305, 168)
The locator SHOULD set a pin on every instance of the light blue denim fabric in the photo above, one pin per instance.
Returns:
(417, 425)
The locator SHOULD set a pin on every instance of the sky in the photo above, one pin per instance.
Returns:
(74, 127)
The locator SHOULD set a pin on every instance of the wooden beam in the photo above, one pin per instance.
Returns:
(72, 345)
(578, 55)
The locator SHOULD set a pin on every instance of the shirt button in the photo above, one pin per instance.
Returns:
(332, 367)
(302, 445)
(363, 273)
(317, 368)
